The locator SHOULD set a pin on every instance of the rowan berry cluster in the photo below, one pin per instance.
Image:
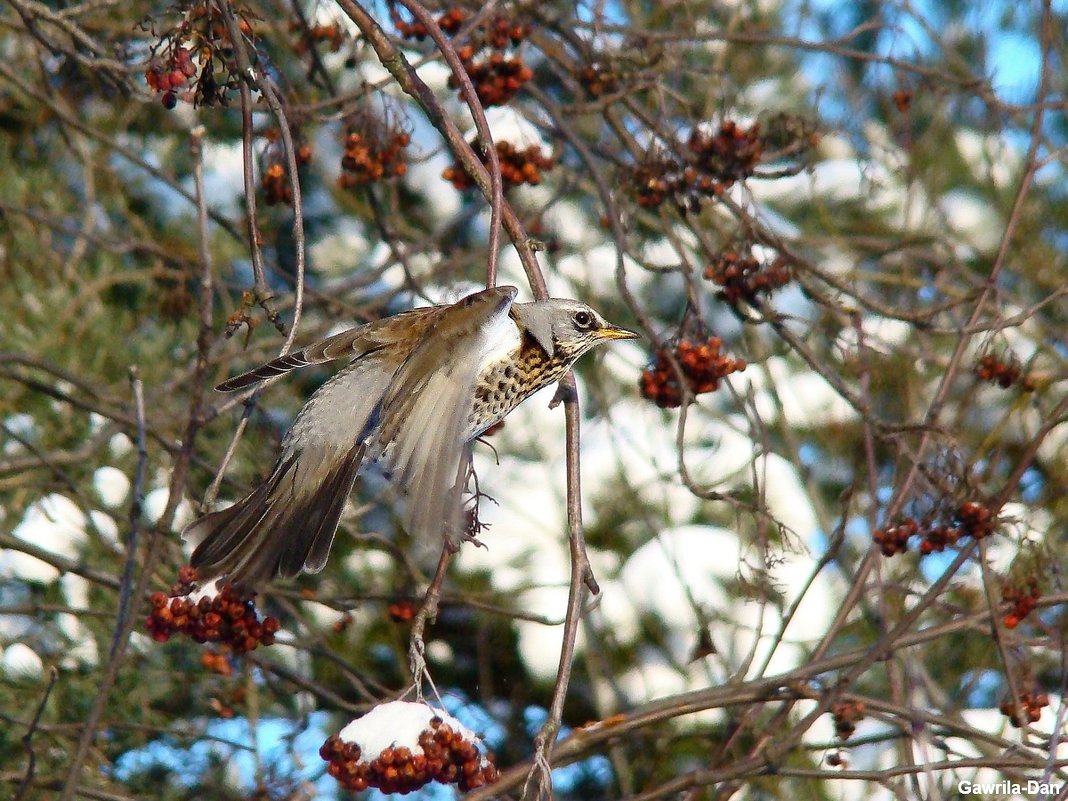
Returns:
(705, 166)
(975, 520)
(702, 366)
(969, 519)
(846, 715)
(226, 618)
(216, 662)
(193, 60)
(732, 153)
(171, 74)
(517, 166)
(598, 78)
(276, 188)
(372, 154)
(1024, 600)
(895, 539)
(276, 185)
(443, 755)
(1033, 703)
(936, 538)
(310, 35)
(743, 277)
(402, 611)
(1003, 373)
(496, 77)
(450, 21)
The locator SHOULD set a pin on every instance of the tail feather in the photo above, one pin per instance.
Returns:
(287, 524)
(308, 548)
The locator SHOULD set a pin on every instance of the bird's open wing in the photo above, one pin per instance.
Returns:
(348, 344)
(424, 415)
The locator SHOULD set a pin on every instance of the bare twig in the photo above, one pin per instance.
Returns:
(27, 738)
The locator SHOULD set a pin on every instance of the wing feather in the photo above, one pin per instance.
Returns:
(352, 343)
(425, 413)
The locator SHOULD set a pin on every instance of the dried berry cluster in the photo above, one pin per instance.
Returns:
(1033, 702)
(702, 366)
(447, 757)
(1024, 600)
(1003, 373)
(216, 662)
(846, 714)
(402, 611)
(742, 276)
(195, 55)
(310, 35)
(598, 79)
(371, 155)
(276, 186)
(705, 166)
(894, 539)
(496, 77)
(732, 153)
(517, 166)
(975, 519)
(449, 21)
(970, 519)
(171, 74)
(225, 618)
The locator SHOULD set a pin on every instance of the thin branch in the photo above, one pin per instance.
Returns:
(27, 738)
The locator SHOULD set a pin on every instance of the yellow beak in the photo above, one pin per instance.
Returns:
(616, 332)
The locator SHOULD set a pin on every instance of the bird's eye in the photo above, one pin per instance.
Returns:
(583, 319)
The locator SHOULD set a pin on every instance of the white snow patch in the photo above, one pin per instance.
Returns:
(508, 125)
(75, 590)
(443, 199)
(972, 219)
(120, 445)
(21, 425)
(989, 157)
(435, 75)
(339, 251)
(111, 485)
(223, 174)
(156, 501)
(105, 526)
(17, 565)
(440, 652)
(21, 660)
(55, 523)
(82, 649)
(577, 229)
(807, 399)
(397, 724)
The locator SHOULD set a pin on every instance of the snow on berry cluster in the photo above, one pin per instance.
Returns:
(226, 618)
(401, 746)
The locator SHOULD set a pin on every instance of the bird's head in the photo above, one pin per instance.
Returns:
(566, 328)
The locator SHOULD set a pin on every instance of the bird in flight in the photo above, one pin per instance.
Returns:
(420, 387)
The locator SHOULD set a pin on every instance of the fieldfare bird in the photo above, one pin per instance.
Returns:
(422, 385)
